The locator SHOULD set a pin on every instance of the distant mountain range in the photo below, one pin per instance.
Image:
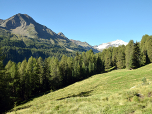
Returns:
(100, 47)
(21, 36)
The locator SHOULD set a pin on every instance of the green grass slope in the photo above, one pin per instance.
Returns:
(116, 92)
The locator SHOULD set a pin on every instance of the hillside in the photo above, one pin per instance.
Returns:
(117, 92)
(21, 36)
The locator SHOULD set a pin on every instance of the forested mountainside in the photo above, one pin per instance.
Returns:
(30, 77)
(21, 37)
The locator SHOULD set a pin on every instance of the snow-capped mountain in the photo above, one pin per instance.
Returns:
(110, 44)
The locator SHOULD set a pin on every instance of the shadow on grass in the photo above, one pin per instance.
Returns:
(35, 96)
(82, 94)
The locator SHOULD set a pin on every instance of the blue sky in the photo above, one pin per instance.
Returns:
(93, 21)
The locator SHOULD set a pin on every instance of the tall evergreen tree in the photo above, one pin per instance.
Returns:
(91, 68)
(14, 85)
(99, 64)
(129, 53)
(83, 71)
(143, 46)
(70, 69)
(64, 69)
(143, 42)
(108, 58)
(40, 75)
(149, 48)
(5, 101)
(114, 56)
(76, 71)
(30, 80)
(55, 74)
(136, 56)
(23, 76)
(46, 74)
(121, 57)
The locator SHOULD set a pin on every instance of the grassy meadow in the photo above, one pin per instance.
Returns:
(116, 92)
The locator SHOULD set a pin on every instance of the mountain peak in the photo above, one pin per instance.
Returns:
(17, 21)
(22, 15)
(25, 17)
(61, 34)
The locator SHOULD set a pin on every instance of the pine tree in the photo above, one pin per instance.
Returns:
(91, 68)
(143, 45)
(99, 65)
(5, 101)
(103, 54)
(64, 69)
(15, 81)
(55, 74)
(70, 69)
(149, 48)
(29, 79)
(14, 84)
(46, 74)
(143, 42)
(114, 56)
(41, 77)
(83, 71)
(121, 57)
(108, 58)
(144, 56)
(76, 71)
(23, 76)
(128, 54)
(90, 56)
(36, 77)
(136, 56)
